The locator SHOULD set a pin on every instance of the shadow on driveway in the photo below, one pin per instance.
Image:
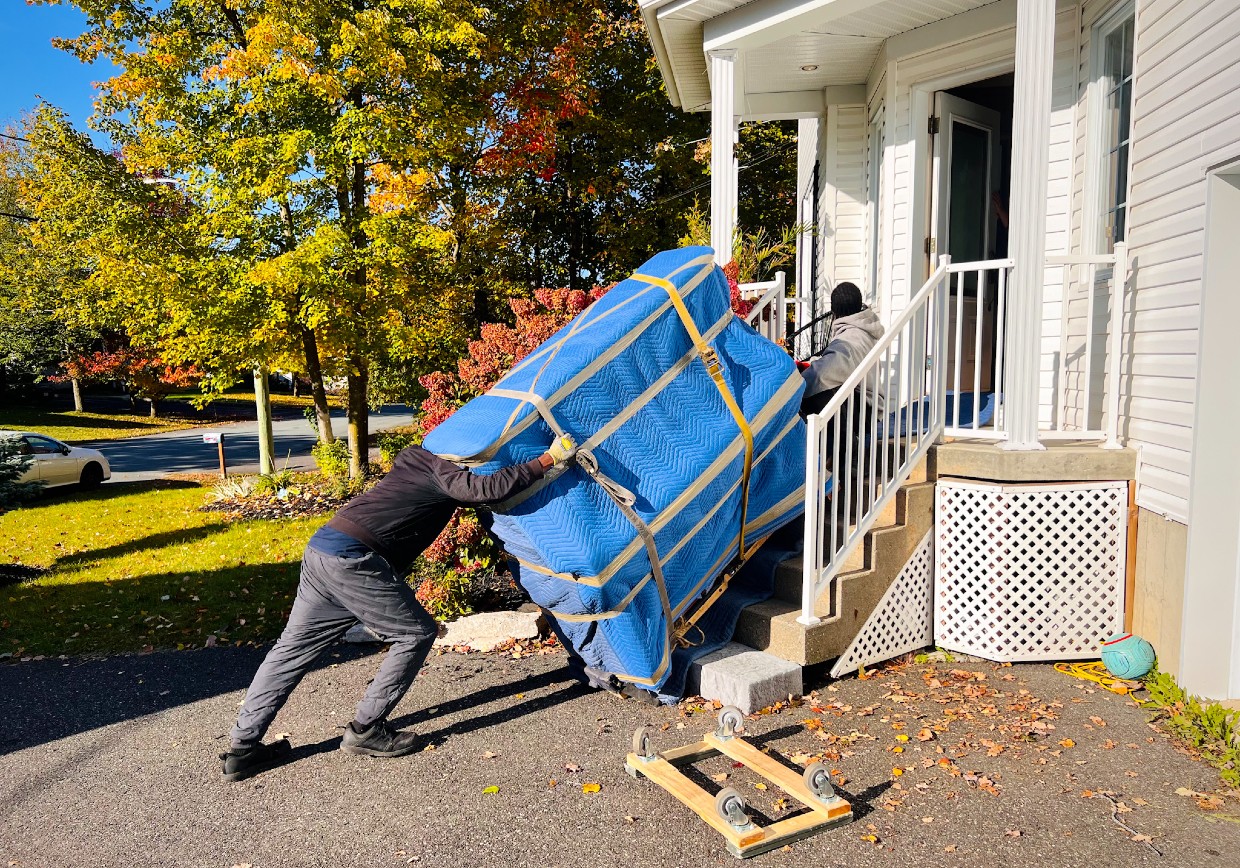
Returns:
(47, 700)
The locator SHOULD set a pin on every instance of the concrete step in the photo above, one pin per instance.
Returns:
(772, 626)
(788, 578)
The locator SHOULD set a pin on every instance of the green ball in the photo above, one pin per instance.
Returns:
(1127, 656)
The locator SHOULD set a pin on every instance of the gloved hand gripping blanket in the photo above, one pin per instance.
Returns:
(671, 397)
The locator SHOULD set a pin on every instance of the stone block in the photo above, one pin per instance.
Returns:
(738, 675)
(486, 630)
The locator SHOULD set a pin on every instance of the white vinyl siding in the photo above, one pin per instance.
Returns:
(1186, 117)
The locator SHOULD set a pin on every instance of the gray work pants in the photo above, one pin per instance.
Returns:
(334, 594)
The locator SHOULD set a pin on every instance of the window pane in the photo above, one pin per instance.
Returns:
(43, 446)
(1114, 78)
(1125, 113)
(1113, 63)
(969, 202)
(1129, 30)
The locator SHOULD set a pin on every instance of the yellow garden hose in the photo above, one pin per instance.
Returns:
(1097, 672)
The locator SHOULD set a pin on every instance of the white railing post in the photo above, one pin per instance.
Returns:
(812, 554)
(723, 171)
(1035, 55)
(1119, 279)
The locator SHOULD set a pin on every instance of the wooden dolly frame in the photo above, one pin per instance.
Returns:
(664, 768)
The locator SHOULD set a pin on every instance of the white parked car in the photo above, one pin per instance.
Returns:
(57, 463)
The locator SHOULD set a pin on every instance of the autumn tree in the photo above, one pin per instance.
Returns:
(273, 115)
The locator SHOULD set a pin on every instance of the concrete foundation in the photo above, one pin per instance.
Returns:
(1058, 462)
(738, 675)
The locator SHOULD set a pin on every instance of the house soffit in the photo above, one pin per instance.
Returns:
(821, 48)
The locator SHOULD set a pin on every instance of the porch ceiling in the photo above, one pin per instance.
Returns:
(777, 38)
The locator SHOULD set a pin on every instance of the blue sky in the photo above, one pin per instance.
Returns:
(31, 68)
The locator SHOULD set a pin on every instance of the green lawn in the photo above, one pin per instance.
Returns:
(71, 426)
(137, 566)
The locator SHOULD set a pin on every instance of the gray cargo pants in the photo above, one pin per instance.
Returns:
(334, 594)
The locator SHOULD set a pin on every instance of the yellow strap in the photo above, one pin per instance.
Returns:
(711, 360)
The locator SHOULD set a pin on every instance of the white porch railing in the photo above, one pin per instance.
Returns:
(769, 315)
(872, 448)
(1085, 389)
(923, 385)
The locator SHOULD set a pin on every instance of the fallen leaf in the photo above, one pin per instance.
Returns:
(572, 768)
(950, 848)
(1013, 833)
(491, 790)
(897, 749)
(591, 788)
(490, 755)
(925, 735)
(897, 771)
(1142, 839)
(630, 819)
(873, 839)
(719, 778)
(1097, 721)
(1139, 801)
(927, 819)
(1067, 742)
(759, 786)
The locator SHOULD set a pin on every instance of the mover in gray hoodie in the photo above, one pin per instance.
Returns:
(854, 332)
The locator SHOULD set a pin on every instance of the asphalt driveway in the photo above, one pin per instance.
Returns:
(156, 455)
(112, 762)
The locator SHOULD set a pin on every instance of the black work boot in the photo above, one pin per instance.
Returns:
(379, 740)
(242, 762)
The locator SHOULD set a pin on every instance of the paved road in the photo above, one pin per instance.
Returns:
(112, 762)
(154, 455)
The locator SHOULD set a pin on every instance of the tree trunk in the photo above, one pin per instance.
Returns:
(152, 403)
(359, 422)
(77, 393)
(314, 373)
(262, 403)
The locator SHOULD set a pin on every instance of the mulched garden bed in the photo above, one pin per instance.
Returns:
(298, 502)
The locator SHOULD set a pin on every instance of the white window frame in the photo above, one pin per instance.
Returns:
(875, 151)
(1098, 142)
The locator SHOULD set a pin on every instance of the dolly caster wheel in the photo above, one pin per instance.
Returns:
(730, 806)
(641, 743)
(818, 779)
(731, 721)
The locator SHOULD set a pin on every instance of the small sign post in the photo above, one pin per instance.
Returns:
(217, 438)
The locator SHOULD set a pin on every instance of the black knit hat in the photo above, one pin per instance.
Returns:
(846, 300)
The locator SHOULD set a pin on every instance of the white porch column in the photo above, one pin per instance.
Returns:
(1035, 57)
(723, 172)
(807, 248)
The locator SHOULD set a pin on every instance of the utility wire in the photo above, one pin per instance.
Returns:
(767, 157)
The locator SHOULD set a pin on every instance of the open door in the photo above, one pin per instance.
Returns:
(965, 219)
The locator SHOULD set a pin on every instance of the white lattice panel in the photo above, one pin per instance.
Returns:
(1029, 572)
(901, 622)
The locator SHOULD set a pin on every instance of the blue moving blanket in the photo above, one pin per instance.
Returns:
(627, 381)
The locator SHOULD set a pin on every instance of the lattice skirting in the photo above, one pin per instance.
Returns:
(1029, 572)
(901, 622)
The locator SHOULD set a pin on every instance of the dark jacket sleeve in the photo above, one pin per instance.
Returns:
(472, 489)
